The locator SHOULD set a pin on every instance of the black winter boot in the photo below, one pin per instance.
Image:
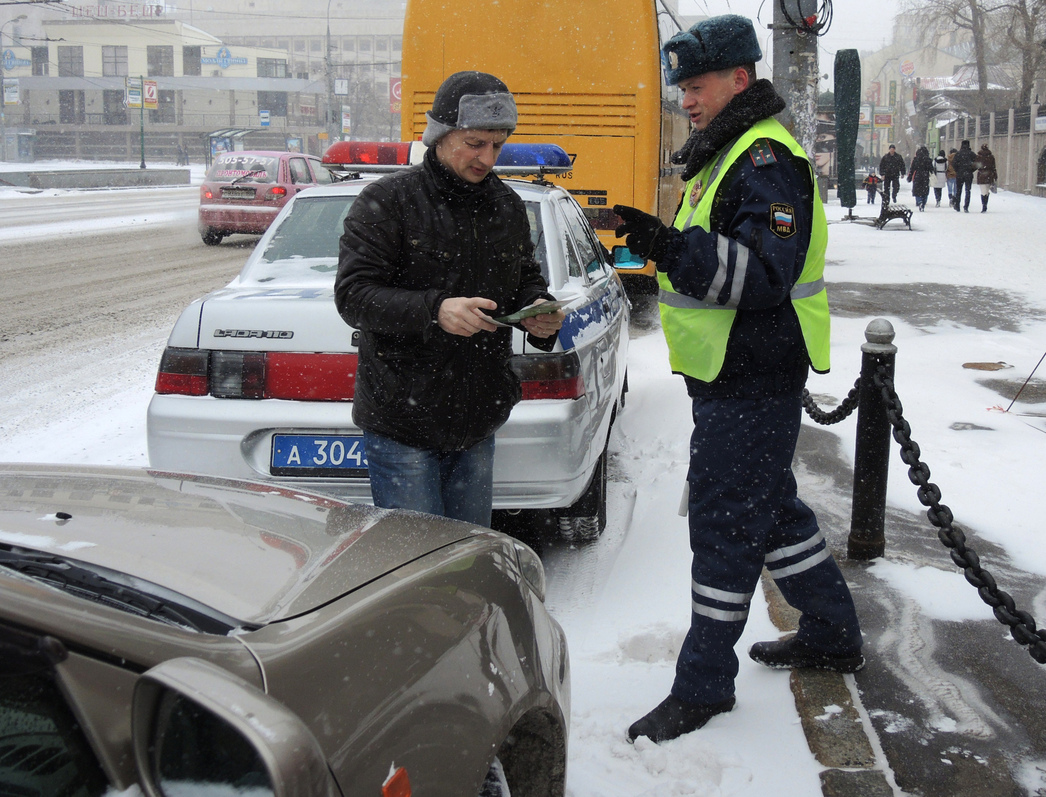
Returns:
(674, 717)
(786, 654)
(984, 204)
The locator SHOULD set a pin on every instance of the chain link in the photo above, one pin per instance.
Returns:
(1021, 624)
(840, 413)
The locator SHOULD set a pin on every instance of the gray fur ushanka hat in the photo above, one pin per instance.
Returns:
(716, 43)
(473, 100)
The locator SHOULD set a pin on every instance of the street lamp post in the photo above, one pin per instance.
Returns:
(3, 93)
(330, 81)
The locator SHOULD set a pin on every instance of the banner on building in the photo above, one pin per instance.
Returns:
(884, 120)
(151, 95)
(10, 91)
(395, 95)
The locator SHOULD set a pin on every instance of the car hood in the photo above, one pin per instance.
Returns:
(257, 553)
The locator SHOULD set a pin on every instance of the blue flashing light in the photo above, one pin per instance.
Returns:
(550, 156)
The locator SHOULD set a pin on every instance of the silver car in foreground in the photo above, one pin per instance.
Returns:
(203, 636)
(257, 378)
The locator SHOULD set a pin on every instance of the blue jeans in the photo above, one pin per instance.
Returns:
(454, 484)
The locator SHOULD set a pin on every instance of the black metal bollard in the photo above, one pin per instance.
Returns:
(872, 454)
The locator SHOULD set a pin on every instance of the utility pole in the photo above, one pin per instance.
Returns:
(796, 74)
(331, 134)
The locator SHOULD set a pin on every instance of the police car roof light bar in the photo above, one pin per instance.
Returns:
(345, 158)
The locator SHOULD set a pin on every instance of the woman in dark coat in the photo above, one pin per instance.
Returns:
(987, 175)
(919, 175)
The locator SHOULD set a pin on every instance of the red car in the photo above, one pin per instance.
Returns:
(244, 191)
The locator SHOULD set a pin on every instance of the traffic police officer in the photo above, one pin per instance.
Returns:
(745, 314)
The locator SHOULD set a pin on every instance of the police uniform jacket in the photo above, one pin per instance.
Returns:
(411, 240)
(765, 353)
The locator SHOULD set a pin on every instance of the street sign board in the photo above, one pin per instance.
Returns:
(263, 117)
(395, 95)
(151, 95)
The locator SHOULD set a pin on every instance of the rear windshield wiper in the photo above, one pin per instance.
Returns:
(118, 590)
(249, 174)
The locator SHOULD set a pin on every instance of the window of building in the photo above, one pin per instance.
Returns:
(381, 45)
(166, 111)
(114, 107)
(275, 102)
(283, 44)
(191, 63)
(348, 44)
(41, 66)
(299, 45)
(272, 67)
(71, 106)
(365, 45)
(70, 61)
(397, 44)
(315, 45)
(160, 60)
(114, 61)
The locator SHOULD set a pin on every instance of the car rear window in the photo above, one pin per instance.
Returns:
(314, 225)
(311, 229)
(244, 167)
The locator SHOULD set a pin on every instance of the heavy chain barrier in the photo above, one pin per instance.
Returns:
(1021, 624)
(840, 413)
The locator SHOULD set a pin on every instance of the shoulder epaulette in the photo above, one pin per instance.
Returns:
(761, 153)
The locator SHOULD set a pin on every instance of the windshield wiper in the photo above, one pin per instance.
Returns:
(249, 174)
(111, 588)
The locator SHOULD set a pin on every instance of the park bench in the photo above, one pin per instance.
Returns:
(890, 211)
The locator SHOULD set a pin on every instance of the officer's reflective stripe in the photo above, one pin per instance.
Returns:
(721, 594)
(719, 614)
(792, 550)
(740, 270)
(800, 567)
(740, 600)
(804, 290)
(719, 280)
(673, 299)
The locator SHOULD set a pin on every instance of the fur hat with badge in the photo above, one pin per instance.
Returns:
(716, 43)
(469, 100)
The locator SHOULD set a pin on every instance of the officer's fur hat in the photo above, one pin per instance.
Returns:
(473, 100)
(717, 43)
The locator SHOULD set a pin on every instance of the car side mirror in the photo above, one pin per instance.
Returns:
(624, 259)
(200, 729)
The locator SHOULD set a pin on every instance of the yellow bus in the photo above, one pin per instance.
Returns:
(586, 75)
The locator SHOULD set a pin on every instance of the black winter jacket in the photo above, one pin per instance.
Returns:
(891, 165)
(411, 240)
(963, 163)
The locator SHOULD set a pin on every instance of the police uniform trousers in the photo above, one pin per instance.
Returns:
(745, 513)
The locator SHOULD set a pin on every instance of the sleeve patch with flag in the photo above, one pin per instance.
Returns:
(761, 153)
(782, 220)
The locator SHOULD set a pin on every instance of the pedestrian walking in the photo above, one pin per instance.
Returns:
(964, 163)
(745, 314)
(433, 382)
(919, 175)
(950, 175)
(871, 185)
(987, 175)
(940, 177)
(891, 167)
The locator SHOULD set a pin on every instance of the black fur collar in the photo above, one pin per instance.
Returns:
(759, 101)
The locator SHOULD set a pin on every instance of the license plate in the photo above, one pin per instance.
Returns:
(318, 455)
(238, 193)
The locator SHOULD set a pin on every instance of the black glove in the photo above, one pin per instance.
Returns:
(646, 235)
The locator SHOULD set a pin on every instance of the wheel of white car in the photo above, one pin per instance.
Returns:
(586, 519)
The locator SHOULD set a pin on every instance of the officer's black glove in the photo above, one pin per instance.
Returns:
(645, 235)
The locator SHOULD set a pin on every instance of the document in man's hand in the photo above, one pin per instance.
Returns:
(531, 311)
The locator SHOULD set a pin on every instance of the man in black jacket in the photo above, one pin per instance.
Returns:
(426, 255)
(891, 167)
(964, 165)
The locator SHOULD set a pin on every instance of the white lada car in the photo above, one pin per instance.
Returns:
(257, 378)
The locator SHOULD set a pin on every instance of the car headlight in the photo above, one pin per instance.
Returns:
(531, 568)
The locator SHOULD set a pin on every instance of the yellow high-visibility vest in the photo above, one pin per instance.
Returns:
(697, 330)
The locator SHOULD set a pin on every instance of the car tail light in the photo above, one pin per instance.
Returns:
(311, 377)
(549, 376)
(206, 193)
(276, 192)
(184, 372)
(296, 376)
